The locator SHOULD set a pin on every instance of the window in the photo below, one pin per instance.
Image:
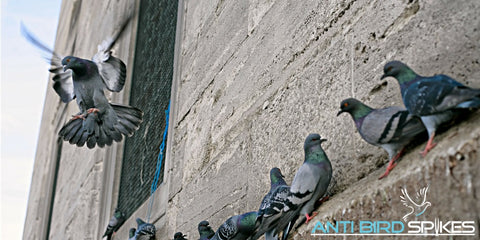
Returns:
(150, 91)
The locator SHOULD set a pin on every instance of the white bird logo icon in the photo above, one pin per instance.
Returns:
(415, 206)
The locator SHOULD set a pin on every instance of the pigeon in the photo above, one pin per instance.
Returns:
(205, 231)
(114, 224)
(272, 205)
(419, 204)
(238, 227)
(309, 184)
(179, 236)
(99, 122)
(437, 99)
(131, 234)
(391, 128)
(145, 231)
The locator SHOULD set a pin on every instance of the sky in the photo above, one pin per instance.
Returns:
(23, 84)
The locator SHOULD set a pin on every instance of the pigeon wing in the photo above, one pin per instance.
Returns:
(111, 69)
(63, 83)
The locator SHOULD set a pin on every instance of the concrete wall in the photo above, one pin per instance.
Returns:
(254, 78)
(258, 76)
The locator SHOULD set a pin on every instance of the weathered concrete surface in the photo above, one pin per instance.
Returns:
(255, 78)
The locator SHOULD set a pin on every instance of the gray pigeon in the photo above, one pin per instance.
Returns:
(98, 122)
(131, 234)
(436, 99)
(114, 224)
(391, 128)
(179, 236)
(272, 205)
(238, 227)
(145, 231)
(308, 186)
(205, 231)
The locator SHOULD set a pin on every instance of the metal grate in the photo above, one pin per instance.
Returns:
(151, 85)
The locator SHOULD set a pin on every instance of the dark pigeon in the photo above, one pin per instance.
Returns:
(205, 231)
(131, 234)
(179, 236)
(391, 128)
(436, 99)
(99, 122)
(145, 231)
(114, 224)
(238, 227)
(272, 205)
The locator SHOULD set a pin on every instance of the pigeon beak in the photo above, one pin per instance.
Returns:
(323, 140)
(383, 76)
(65, 68)
(340, 112)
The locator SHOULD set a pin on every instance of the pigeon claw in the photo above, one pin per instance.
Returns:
(392, 163)
(310, 217)
(430, 145)
(93, 110)
(78, 116)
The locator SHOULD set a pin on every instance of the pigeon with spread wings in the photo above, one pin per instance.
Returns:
(99, 122)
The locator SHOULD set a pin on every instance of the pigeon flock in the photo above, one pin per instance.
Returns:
(429, 103)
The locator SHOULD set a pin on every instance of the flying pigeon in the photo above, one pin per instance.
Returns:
(98, 122)
(114, 224)
(272, 205)
(179, 236)
(145, 231)
(418, 205)
(436, 99)
(131, 234)
(205, 231)
(238, 227)
(391, 128)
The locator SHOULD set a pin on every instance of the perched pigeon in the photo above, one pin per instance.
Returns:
(309, 184)
(145, 231)
(237, 227)
(131, 234)
(436, 100)
(114, 224)
(205, 231)
(391, 128)
(179, 236)
(272, 205)
(98, 122)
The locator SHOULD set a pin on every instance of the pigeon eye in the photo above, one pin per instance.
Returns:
(389, 68)
(345, 104)
(68, 60)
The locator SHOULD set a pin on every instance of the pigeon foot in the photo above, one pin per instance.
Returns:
(430, 145)
(78, 116)
(310, 217)
(93, 110)
(392, 164)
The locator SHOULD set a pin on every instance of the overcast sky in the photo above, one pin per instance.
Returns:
(24, 79)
